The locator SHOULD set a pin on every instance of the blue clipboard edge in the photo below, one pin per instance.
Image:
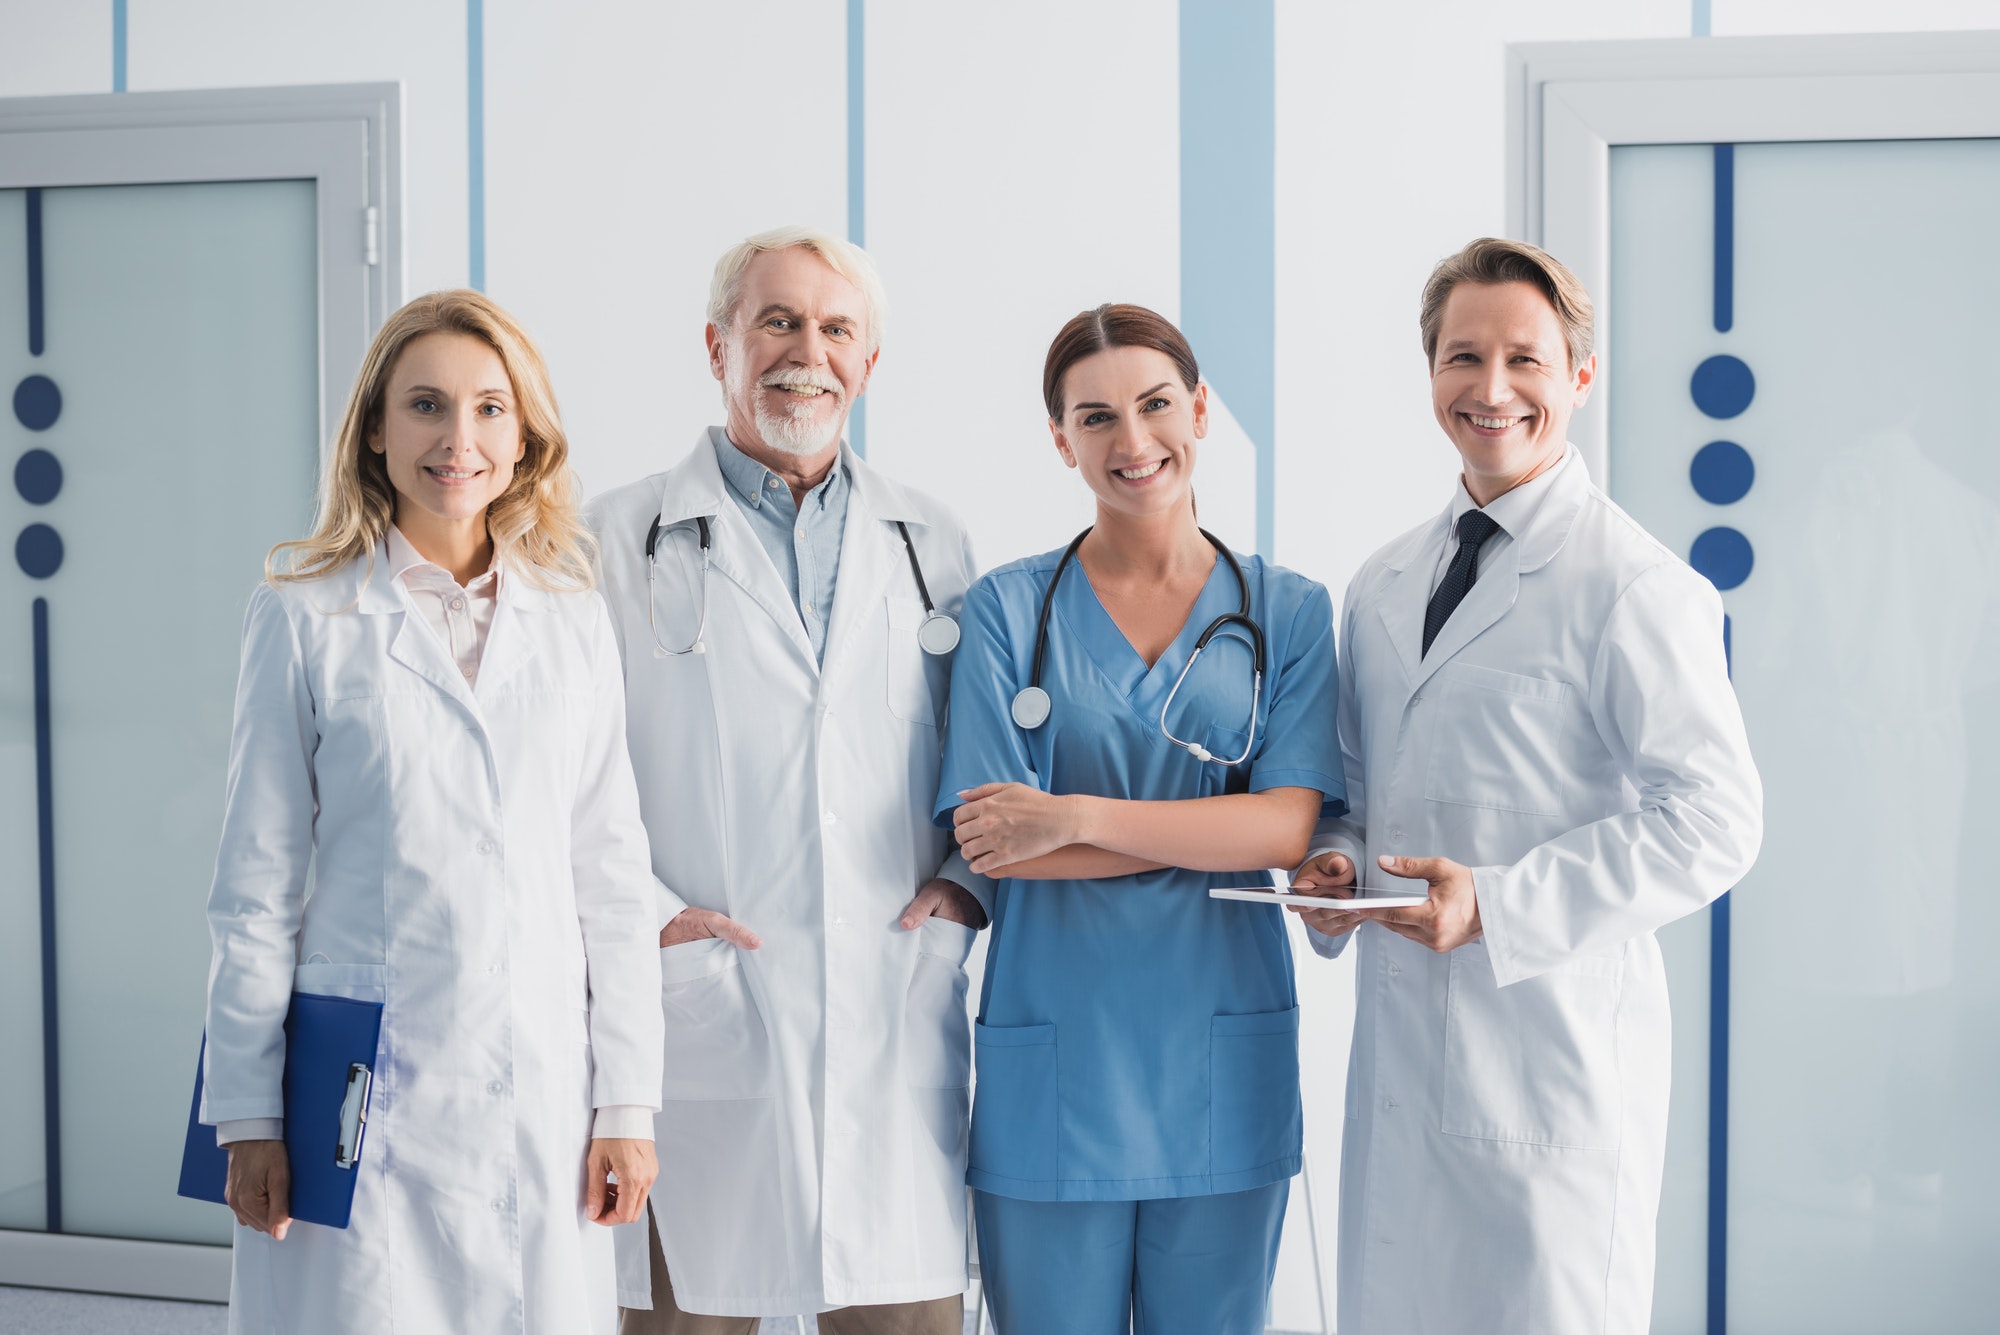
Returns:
(205, 1165)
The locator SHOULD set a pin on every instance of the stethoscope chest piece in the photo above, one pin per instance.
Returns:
(1030, 708)
(938, 635)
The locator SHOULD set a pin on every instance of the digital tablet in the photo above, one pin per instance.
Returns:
(1365, 897)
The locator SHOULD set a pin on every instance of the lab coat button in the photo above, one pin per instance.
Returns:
(1396, 832)
(1395, 969)
(484, 846)
(1389, 1105)
(499, 1207)
(495, 1087)
(827, 818)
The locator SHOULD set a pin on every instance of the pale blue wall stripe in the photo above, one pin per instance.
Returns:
(475, 143)
(117, 46)
(857, 174)
(1228, 67)
(1700, 18)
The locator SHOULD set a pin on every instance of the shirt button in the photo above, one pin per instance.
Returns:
(772, 483)
(1389, 1105)
(485, 846)
(458, 604)
(1396, 832)
(1395, 969)
(798, 532)
(495, 1087)
(1416, 699)
(466, 671)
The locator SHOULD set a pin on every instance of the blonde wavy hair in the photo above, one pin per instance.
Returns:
(534, 524)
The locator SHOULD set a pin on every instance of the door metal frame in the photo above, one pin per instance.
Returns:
(348, 140)
(1570, 103)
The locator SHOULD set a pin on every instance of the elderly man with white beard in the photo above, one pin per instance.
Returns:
(785, 611)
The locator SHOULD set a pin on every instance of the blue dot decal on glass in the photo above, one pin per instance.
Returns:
(38, 477)
(1723, 386)
(1722, 472)
(37, 403)
(39, 549)
(1722, 555)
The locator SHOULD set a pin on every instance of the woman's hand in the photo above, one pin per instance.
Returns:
(1000, 824)
(700, 924)
(632, 1165)
(259, 1185)
(1328, 874)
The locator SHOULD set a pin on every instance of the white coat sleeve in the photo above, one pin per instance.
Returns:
(1662, 702)
(258, 897)
(956, 869)
(1345, 833)
(615, 896)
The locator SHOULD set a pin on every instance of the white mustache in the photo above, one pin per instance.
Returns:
(801, 376)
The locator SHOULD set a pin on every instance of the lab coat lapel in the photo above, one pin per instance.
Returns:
(868, 547)
(510, 643)
(1490, 598)
(1404, 602)
(413, 645)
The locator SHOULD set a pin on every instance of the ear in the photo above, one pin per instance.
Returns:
(867, 372)
(1062, 445)
(1586, 376)
(374, 438)
(713, 337)
(1201, 410)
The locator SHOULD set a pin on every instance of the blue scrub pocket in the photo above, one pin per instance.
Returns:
(1254, 1119)
(1014, 1109)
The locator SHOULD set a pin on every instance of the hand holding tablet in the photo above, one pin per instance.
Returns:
(1363, 897)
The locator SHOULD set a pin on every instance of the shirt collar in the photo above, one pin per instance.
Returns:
(752, 482)
(1511, 510)
(405, 560)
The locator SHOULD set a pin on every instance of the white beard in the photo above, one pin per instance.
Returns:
(795, 431)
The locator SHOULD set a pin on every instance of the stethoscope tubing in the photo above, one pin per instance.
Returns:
(1031, 705)
(937, 636)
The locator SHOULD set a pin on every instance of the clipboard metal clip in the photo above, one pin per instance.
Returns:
(353, 1116)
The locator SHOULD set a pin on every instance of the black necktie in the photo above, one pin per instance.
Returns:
(1474, 528)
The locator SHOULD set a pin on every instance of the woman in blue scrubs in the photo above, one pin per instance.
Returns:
(1137, 1115)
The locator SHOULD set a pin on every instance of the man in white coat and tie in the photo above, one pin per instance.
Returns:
(1537, 721)
(784, 613)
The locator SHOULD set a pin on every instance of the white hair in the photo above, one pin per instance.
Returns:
(843, 257)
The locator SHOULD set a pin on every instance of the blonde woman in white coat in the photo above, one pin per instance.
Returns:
(431, 717)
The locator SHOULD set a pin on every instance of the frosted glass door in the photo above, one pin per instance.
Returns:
(160, 429)
(1802, 402)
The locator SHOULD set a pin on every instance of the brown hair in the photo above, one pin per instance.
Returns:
(1493, 260)
(534, 523)
(1113, 325)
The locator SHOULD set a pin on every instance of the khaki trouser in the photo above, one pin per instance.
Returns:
(937, 1316)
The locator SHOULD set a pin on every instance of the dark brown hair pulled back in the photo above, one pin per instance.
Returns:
(1113, 325)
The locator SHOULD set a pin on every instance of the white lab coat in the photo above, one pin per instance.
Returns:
(1573, 737)
(812, 1135)
(478, 866)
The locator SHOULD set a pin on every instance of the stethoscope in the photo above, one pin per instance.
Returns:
(1031, 704)
(937, 636)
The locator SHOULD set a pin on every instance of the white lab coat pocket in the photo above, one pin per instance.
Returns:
(717, 1046)
(1536, 1062)
(356, 982)
(937, 1043)
(1496, 740)
(906, 676)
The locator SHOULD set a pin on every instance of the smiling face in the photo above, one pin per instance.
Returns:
(1502, 385)
(795, 355)
(1129, 426)
(449, 431)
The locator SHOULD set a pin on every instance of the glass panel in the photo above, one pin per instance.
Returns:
(1864, 1184)
(182, 332)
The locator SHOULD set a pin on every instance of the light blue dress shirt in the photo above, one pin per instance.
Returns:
(803, 542)
(1137, 1039)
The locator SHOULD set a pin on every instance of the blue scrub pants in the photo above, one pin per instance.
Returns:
(1190, 1265)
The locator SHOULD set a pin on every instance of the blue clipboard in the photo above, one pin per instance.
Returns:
(330, 1053)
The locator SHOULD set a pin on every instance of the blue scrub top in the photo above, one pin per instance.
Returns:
(1137, 1039)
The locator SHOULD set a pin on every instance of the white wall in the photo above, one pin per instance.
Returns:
(1022, 163)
